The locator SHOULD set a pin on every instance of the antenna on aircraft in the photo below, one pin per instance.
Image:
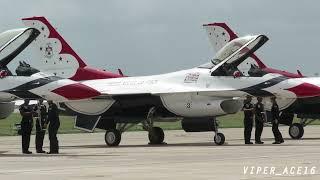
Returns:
(300, 74)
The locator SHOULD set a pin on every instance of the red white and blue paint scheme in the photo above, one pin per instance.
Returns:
(305, 108)
(195, 96)
(57, 57)
(31, 83)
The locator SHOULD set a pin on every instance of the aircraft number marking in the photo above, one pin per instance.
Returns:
(188, 105)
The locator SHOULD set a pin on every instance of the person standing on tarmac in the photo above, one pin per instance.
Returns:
(259, 120)
(41, 119)
(248, 119)
(54, 124)
(275, 122)
(26, 125)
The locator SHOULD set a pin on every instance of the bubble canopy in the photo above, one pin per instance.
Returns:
(236, 51)
(12, 42)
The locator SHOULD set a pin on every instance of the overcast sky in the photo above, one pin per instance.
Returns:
(157, 36)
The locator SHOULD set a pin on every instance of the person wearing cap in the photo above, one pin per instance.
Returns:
(259, 120)
(248, 119)
(275, 122)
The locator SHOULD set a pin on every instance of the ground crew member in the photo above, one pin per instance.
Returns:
(54, 124)
(259, 120)
(275, 122)
(26, 125)
(248, 119)
(41, 119)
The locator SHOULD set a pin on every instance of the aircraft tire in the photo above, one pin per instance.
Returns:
(156, 136)
(219, 139)
(112, 137)
(296, 131)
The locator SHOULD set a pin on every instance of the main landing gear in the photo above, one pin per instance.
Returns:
(155, 134)
(219, 138)
(296, 130)
(113, 136)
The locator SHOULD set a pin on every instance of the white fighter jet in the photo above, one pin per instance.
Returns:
(195, 96)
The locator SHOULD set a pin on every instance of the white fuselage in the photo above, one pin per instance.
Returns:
(194, 92)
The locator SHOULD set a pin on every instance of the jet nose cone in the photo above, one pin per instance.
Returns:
(76, 91)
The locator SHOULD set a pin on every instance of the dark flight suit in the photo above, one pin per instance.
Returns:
(26, 126)
(275, 123)
(259, 120)
(40, 123)
(248, 120)
(54, 124)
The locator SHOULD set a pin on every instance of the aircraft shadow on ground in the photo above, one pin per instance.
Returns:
(290, 139)
(272, 139)
(199, 144)
(2, 154)
(268, 142)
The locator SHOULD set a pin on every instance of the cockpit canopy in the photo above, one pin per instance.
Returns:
(229, 57)
(12, 43)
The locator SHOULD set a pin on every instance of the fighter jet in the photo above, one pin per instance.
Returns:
(210, 90)
(306, 109)
(28, 82)
(195, 96)
(204, 92)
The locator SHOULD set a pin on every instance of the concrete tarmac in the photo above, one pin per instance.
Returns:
(186, 156)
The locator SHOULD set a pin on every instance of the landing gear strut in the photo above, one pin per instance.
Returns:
(219, 138)
(156, 134)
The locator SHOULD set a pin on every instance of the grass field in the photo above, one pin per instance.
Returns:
(67, 124)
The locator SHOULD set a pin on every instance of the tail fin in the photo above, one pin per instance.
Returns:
(57, 57)
(220, 34)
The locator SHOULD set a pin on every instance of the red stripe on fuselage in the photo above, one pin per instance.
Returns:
(76, 91)
(305, 90)
(88, 73)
